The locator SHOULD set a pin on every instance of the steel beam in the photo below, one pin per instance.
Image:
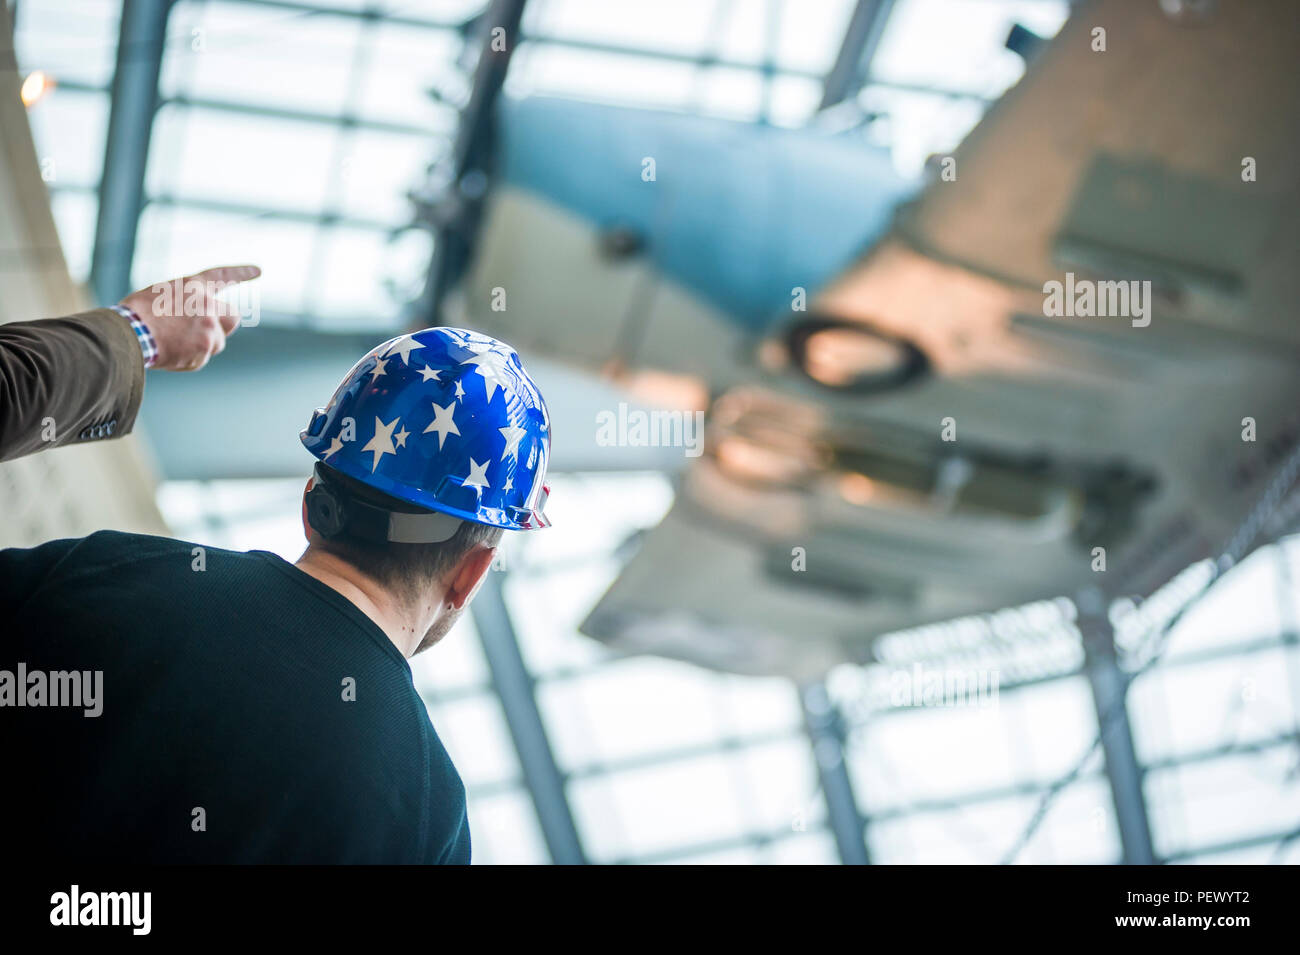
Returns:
(853, 63)
(514, 686)
(826, 733)
(461, 205)
(1109, 685)
(140, 45)
(267, 111)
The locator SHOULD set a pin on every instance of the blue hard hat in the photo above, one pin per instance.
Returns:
(444, 419)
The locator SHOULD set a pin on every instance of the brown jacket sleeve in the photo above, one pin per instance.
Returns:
(68, 380)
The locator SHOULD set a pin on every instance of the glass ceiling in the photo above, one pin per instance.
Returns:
(291, 133)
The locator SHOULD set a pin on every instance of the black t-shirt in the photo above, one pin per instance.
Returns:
(249, 713)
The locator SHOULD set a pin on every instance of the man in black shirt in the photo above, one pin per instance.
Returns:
(166, 702)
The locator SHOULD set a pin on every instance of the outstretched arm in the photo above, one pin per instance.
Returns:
(81, 378)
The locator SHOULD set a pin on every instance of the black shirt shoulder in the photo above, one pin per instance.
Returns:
(237, 689)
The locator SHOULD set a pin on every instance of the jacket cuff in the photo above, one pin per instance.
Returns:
(124, 346)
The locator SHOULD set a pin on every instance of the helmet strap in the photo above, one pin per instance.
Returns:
(331, 511)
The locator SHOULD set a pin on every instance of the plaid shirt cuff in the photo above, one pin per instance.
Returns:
(148, 347)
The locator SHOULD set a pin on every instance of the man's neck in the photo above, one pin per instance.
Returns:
(404, 626)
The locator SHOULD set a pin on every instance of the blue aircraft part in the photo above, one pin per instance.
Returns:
(739, 213)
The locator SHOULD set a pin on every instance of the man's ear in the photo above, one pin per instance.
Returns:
(306, 526)
(469, 573)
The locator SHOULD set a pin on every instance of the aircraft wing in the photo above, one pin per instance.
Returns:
(939, 436)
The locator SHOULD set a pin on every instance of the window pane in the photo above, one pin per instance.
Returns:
(69, 129)
(235, 51)
(247, 160)
(72, 40)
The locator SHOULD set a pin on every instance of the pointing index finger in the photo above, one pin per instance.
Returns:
(229, 273)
